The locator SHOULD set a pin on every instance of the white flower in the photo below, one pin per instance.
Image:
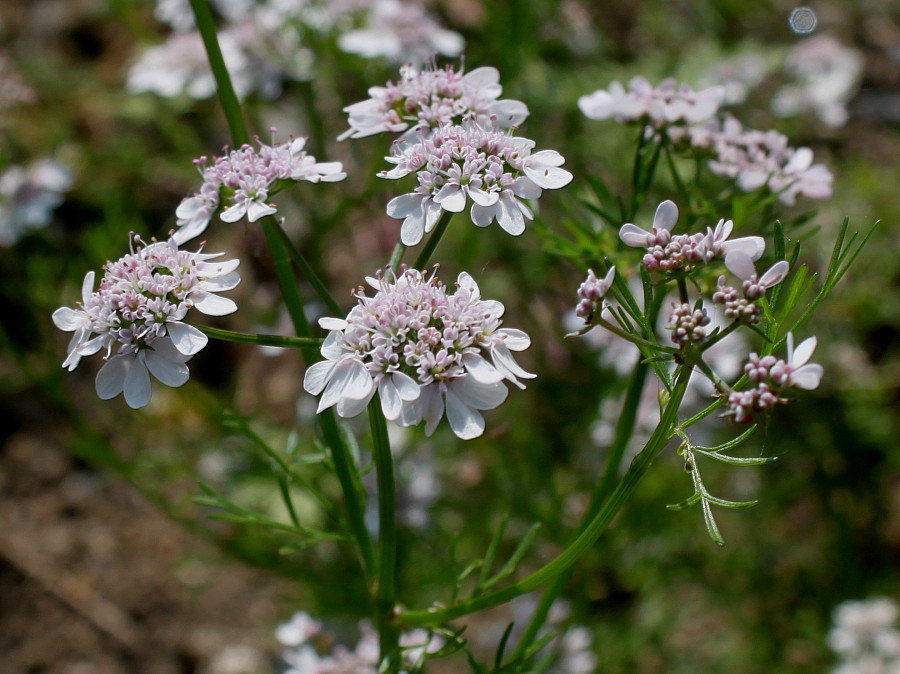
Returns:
(423, 350)
(455, 164)
(28, 196)
(799, 371)
(431, 98)
(247, 177)
(139, 305)
(660, 234)
(741, 265)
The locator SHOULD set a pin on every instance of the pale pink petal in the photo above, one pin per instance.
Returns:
(774, 275)
(480, 369)
(110, 379)
(803, 352)
(516, 340)
(465, 422)
(137, 384)
(317, 376)
(807, 377)
(665, 217)
(171, 373)
(740, 264)
(212, 305)
(186, 338)
(632, 235)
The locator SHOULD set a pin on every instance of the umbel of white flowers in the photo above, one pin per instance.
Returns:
(139, 309)
(423, 349)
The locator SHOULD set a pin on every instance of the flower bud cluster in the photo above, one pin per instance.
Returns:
(246, 178)
(424, 100)
(688, 325)
(591, 293)
(422, 349)
(139, 307)
(772, 375)
(669, 252)
(469, 161)
(737, 307)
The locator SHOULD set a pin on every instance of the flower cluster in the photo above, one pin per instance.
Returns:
(28, 195)
(771, 375)
(139, 306)
(423, 350)
(741, 305)
(754, 159)
(666, 105)
(305, 638)
(863, 635)
(669, 252)
(688, 325)
(591, 293)
(246, 178)
(431, 98)
(469, 161)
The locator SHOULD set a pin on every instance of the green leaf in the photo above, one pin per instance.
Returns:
(691, 500)
(516, 557)
(732, 505)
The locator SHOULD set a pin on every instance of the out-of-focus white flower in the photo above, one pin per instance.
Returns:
(456, 163)
(737, 76)
(864, 637)
(13, 89)
(433, 97)
(423, 350)
(139, 306)
(754, 159)
(28, 196)
(663, 107)
(400, 32)
(247, 177)
(826, 74)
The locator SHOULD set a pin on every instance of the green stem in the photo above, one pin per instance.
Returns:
(259, 340)
(308, 273)
(343, 462)
(436, 235)
(585, 540)
(634, 339)
(224, 90)
(624, 429)
(387, 537)
(396, 256)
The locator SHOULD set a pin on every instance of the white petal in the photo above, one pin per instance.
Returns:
(485, 76)
(412, 230)
(480, 369)
(432, 407)
(212, 305)
(333, 346)
(548, 158)
(510, 218)
(257, 210)
(516, 340)
(548, 178)
(215, 284)
(803, 352)
(111, 378)
(451, 198)
(406, 386)
(137, 384)
(465, 422)
(327, 323)
(526, 188)
(508, 112)
(317, 375)
(404, 205)
(775, 275)
(480, 395)
(482, 216)
(348, 407)
(68, 319)
(504, 361)
(234, 212)
(632, 235)
(807, 377)
(186, 338)
(740, 264)
(483, 198)
(391, 404)
(666, 215)
(751, 246)
(170, 373)
(87, 287)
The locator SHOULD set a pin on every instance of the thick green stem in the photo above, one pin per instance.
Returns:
(396, 256)
(433, 241)
(387, 537)
(585, 540)
(224, 90)
(343, 461)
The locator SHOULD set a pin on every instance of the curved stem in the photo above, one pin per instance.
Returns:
(624, 428)
(259, 340)
(308, 273)
(585, 539)
(387, 537)
(224, 90)
(433, 241)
